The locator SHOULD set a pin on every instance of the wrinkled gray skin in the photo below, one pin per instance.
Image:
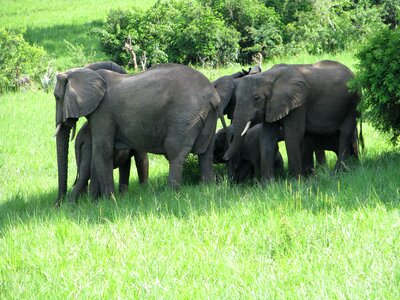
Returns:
(312, 142)
(226, 89)
(169, 109)
(106, 65)
(121, 160)
(245, 164)
(300, 98)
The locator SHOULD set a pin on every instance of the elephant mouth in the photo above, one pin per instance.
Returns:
(70, 123)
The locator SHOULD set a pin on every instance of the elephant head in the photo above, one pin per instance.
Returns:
(273, 93)
(78, 92)
(226, 89)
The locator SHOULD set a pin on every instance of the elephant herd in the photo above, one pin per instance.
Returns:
(172, 110)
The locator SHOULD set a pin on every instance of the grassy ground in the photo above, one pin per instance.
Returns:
(333, 236)
(49, 23)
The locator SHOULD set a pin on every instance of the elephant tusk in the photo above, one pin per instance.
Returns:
(246, 128)
(73, 133)
(57, 130)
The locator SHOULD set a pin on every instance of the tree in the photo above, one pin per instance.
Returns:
(378, 77)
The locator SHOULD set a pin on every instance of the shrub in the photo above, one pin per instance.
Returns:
(170, 31)
(379, 79)
(332, 26)
(22, 65)
(260, 26)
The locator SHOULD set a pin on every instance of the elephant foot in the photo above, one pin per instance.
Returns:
(208, 178)
(123, 188)
(267, 180)
(341, 166)
(58, 202)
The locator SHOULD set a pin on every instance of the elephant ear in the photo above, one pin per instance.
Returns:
(289, 91)
(225, 87)
(84, 91)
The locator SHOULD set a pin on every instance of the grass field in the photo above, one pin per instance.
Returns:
(332, 236)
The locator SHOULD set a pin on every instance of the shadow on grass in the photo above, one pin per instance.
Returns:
(52, 38)
(372, 183)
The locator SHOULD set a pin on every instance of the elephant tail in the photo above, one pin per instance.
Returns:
(360, 136)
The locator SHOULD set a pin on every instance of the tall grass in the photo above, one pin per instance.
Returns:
(330, 236)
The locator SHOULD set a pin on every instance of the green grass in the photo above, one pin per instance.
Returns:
(330, 236)
(48, 23)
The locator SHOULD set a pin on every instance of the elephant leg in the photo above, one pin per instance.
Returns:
(307, 154)
(345, 139)
(354, 150)
(176, 168)
(83, 173)
(142, 166)
(102, 157)
(94, 187)
(294, 129)
(205, 164)
(79, 189)
(268, 142)
(206, 136)
(243, 172)
(278, 164)
(320, 156)
(124, 172)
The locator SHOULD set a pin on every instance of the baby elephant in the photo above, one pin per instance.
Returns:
(245, 164)
(121, 160)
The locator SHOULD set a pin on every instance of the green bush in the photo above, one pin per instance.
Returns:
(332, 26)
(260, 27)
(378, 77)
(22, 65)
(170, 31)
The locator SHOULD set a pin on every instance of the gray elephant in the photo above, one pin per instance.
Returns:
(311, 98)
(106, 65)
(226, 89)
(121, 160)
(245, 164)
(169, 109)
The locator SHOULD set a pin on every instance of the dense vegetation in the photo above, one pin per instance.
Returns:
(379, 79)
(332, 236)
(223, 31)
(22, 65)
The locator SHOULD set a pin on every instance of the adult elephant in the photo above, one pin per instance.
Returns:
(121, 160)
(300, 98)
(169, 109)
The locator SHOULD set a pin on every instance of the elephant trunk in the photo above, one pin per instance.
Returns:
(239, 127)
(62, 139)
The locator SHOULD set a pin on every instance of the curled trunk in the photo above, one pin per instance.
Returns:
(62, 139)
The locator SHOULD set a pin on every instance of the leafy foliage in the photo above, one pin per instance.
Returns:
(174, 31)
(379, 79)
(332, 26)
(260, 26)
(22, 64)
(222, 31)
